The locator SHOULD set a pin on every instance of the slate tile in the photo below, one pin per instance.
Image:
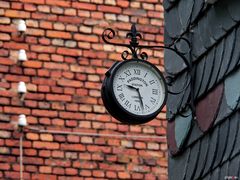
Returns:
(167, 5)
(233, 9)
(172, 145)
(234, 167)
(198, 46)
(216, 174)
(236, 53)
(223, 16)
(193, 161)
(198, 5)
(226, 61)
(185, 11)
(195, 134)
(217, 63)
(173, 29)
(236, 148)
(212, 150)
(224, 111)
(207, 108)
(167, 39)
(199, 76)
(177, 166)
(222, 142)
(204, 146)
(209, 66)
(174, 101)
(182, 128)
(205, 33)
(208, 177)
(233, 130)
(214, 21)
(232, 89)
(224, 169)
(173, 62)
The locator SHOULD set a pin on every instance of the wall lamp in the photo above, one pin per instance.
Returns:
(21, 27)
(22, 90)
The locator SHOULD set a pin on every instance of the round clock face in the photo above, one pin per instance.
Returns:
(139, 88)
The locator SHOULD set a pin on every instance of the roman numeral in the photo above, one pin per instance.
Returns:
(145, 75)
(121, 78)
(155, 91)
(152, 100)
(121, 96)
(137, 108)
(137, 71)
(128, 73)
(146, 107)
(152, 82)
(119, 88)
(128, 104)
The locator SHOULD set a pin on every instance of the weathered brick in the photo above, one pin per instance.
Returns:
(58, 34)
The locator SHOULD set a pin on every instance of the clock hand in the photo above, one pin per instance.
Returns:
(140, 97)
(131, 87)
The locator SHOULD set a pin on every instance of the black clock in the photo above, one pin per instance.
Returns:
(134, 91)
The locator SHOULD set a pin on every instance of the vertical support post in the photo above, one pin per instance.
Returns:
(21, 155)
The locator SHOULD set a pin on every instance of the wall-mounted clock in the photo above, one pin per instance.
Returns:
(134, 91)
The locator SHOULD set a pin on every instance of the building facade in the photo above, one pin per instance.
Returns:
(69, 133)
(204, 139)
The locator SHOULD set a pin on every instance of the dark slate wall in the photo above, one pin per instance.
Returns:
(206, 146)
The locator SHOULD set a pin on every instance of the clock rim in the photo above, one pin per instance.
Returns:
(116, 109)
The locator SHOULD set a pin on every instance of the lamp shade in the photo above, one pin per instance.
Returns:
(21, 26)
(22, 87)
(22, 120)
(22, 56)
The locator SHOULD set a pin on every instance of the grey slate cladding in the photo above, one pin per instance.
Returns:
(214, 33)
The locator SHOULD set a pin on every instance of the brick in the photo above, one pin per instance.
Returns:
(44, 113)
(58, 34)
(70, 19)
(57, 10)
(58, 3)
(17, 14)
(71, 115)
(33, 1)
(86, 6)
(32, 136)
(73, 147)
(46, 137)
(4, 36)
(56, 97)
(32, 64)
(69, 83)
(14, 45)
(30, 7)
(110, 9)
(5, 134)
(87, 38)
(69, 52)
(16, 110)
(45, 169)
(4, 4)
(45, 145)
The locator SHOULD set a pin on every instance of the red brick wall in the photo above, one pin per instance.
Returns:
(66, 64)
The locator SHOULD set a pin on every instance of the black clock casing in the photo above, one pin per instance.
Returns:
(115, 108)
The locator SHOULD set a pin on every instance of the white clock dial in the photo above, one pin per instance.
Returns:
(139, 88)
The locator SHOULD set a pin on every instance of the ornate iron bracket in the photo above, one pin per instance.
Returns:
(136, 53)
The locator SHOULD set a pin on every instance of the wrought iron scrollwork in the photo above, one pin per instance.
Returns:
(134, 51)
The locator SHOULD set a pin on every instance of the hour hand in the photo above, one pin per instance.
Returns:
(131, 87)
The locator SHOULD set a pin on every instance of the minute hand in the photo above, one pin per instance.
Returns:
(140, 97)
